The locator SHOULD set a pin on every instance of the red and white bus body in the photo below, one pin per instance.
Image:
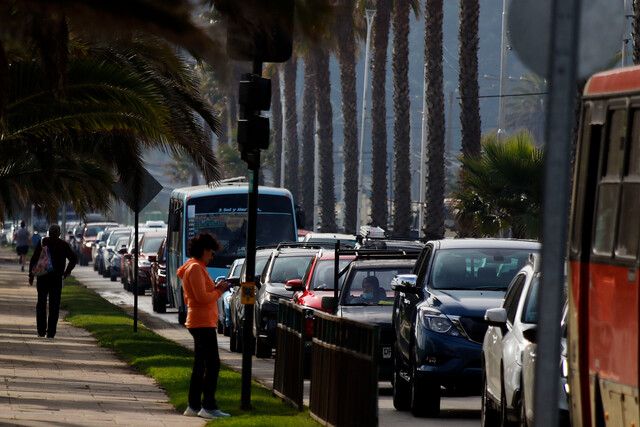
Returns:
(604, 254)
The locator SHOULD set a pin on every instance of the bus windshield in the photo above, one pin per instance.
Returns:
(225, 216)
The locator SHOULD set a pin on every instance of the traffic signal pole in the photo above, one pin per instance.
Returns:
(252, 157)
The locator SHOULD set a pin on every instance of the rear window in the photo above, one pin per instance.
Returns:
(476, 269)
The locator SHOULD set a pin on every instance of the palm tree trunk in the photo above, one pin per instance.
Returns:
(635, 24)
(291, 126)
(468, 64)
(307, 176)
(401, 127)
(435, 180)
(379, 214)
(325, 142)
(276, 124)
(347, 63)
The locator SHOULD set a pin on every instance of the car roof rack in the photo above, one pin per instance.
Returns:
(298, 245)
(379, 253)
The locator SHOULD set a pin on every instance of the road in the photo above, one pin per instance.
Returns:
(455, 411)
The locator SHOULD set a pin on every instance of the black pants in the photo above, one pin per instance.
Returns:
(206, 366)
(49, 286)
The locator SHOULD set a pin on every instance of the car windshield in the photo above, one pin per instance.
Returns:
(289, 268)
(476, 269)
(152, 244)
(372, 286)
(323, 274)
(115, 236)
(93, 230)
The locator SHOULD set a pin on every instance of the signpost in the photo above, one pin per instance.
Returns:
(137, 196)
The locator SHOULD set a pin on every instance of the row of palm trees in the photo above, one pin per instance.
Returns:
(341, 39)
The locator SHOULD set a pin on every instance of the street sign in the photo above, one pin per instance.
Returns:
(248, 295)
(602, 24)
(147, 191)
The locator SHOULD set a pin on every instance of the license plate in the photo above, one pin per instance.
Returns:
(386, 352)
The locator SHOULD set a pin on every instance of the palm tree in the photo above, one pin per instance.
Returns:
(528, 112)
(435, 180)
(325, 140)
(346, 54)
(276, 124)
(291, 127)
(501, 190)
(307, 172)
(182, 170)
(135, 93)
(379, 184)
(401, 129)
(635, 24)
(468, 83)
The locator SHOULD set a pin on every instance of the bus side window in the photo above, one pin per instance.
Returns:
(609, 186)
(629, 226)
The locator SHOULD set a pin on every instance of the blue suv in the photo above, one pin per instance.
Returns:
(438, 317)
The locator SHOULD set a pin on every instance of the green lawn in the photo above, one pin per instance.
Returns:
(170, 364)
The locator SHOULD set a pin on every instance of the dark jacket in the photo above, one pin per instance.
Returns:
(60, 252)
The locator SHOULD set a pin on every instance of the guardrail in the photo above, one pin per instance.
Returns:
(344, 373)
(288, 375)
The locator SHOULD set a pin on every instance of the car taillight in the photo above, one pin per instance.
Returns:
(308, 324)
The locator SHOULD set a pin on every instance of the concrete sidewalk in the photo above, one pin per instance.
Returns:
(68, 380)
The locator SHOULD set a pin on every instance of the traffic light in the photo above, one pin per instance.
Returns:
(254, 96)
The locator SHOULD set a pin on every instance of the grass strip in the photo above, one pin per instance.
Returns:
(169, 363)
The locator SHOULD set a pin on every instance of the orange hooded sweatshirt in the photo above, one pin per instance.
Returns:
(200, 295)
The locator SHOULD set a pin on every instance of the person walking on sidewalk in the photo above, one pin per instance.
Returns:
(23, 243)
(50, 285)
(201, 297)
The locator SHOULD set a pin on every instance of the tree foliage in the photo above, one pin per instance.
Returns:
(501, 191)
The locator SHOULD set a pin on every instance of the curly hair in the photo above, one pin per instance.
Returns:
(202, 241)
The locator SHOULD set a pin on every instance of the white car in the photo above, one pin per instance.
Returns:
(528, 377)
(507, 342)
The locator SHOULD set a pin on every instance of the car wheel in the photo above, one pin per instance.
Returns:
(523, 410)
(504, 417)
(113, 278)
(232, 341)
(263, 350)
(488, 414)
(424, 396)
(95, 267)
(162, 304)
(401, 388)
(154, 302)
(227, 330)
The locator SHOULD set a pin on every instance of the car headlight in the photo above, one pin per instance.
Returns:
(144, 263)
(270, 297)
(88, 244)
(435, 321)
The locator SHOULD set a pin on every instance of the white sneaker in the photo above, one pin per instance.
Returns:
(212, 413)
(190, 412)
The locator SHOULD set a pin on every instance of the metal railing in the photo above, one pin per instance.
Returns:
(344, 373)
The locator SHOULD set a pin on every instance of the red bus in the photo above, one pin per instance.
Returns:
(604, 258)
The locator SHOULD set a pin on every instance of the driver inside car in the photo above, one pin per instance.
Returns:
(371, 292)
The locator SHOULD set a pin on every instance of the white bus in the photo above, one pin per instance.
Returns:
(222, 211)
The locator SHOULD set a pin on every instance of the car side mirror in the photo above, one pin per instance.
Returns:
(496, 317)
(294, 285)
(531, 334)
(329, 303)
(235, 281)
(406, 283)
(152, 258)
(122, 251)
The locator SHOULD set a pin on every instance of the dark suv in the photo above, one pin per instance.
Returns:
(288, 262)
(438, 317)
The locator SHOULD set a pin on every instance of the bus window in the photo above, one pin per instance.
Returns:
(629, 227)
(615, 144)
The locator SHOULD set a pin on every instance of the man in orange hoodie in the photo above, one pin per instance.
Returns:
(201, 297)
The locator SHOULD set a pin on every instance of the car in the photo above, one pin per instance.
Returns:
(86, 237)
(159, 279)
(95, 248)
(508, 353)
(127, 267)
(149, 244)
(287, 262)
(108, 249)
(528, 376)
(115, 267)
(236, 308)
(224, 312)
(366, 296)
(438, 317)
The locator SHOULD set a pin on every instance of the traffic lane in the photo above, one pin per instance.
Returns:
(455, 411)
